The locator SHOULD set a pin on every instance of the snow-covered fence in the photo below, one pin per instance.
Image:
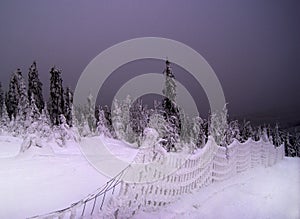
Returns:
(209, 164)
(212, 163)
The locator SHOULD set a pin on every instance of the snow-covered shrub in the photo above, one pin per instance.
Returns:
(63, 132)
(101, 124)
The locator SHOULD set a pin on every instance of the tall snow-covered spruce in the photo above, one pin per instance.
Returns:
(171, 111)
(11, 97)
(68, 104)
(56, 99)
(35, 87)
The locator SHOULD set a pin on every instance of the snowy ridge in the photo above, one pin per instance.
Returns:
(210, 164)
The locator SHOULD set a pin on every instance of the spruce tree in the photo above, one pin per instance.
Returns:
(56, 99)
(101, 124)
(90, 113)
(11, 97)
(23, 103)
(171, 111)
(68, 106)
(219, 126)
(35, 87)
(169, 92)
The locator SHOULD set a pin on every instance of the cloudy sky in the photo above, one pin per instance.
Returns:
(253, 46)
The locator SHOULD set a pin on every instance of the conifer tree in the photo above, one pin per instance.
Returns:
(90, 113)
(68, 106)
(11, 97)
(219, 126)
(35, 87)
(171, 111)
(169, 92)
(56, 99)
(101, 124)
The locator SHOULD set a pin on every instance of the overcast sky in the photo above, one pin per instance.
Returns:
(253, 46)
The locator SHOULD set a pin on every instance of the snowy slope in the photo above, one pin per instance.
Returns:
(272, 192)
(34, 183)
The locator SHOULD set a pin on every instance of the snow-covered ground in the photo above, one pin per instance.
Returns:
(32, 184)
(272, 192)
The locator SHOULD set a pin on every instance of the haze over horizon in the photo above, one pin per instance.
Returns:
(253, 46)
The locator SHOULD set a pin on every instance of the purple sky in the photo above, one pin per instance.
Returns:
(253, 46)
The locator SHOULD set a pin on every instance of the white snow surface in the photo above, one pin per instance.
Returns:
(40, 180)
(260, 193)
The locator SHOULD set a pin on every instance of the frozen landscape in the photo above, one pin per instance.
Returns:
(149, 109)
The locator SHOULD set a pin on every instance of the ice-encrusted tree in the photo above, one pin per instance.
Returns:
(218, 126)
(117, 120)
(35, 87)
(56, 99)
(102, 129)
(12, 95)
(23, 103)
(169, 91)
(68, 103)
(34, 113)
(45, 130)
(233, 132)
(246, 131)
(138, 119)
(4, 124)
(90, 113)
(171, 111)
(276, 136)
(157, 122)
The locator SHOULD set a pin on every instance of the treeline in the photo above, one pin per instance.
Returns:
(24, 112)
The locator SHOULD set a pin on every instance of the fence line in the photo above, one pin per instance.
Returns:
(209, 164)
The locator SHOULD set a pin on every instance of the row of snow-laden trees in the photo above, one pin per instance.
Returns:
(24, 112)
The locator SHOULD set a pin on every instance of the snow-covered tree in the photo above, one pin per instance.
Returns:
(219, 126)
(44, 126)
(4, 124)
(138, 119)
(35, 87)
(11, 97)
(90, 114)
(246, 131)
(158, 123)
(56, 99)
(23, 104)
(16, 98)
(171, 111)
(68, 102)
(172, 137)
(233, 132)
(101, 124)
(257, 133)
(117, 120)
(61, 131)
(34, 113)
(264, 136)
(276, 136)
(169, 91)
